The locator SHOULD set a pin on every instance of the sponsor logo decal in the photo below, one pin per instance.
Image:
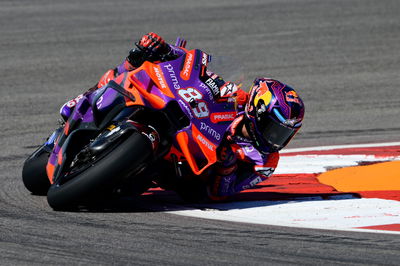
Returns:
(291, 96)
(208, 90)
(213, 86)
(182, 103)
(172, 76)
(226, 182)
(205, 142)
(228, 89)
(203, 86)
(187, 67)
(209, 93)
(223, 117)
(159, 76)
(204, 59)
(206, 128)
(264, 94)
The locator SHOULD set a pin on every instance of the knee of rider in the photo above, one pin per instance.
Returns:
(222, 185)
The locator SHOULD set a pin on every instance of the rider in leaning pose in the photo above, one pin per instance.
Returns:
(268, 118)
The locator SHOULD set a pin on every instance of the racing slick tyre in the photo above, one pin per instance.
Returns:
(100, 175)
(34, 173)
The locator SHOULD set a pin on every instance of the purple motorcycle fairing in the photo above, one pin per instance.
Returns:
(194, 97)
(204, 104)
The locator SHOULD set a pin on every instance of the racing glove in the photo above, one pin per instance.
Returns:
(153, 44)
(150, 47)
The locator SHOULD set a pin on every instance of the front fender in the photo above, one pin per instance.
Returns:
(90, 142)
(65, 149)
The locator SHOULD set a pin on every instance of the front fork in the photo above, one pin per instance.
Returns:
(49, 144)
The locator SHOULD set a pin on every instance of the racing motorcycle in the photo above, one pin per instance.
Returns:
(115, 135)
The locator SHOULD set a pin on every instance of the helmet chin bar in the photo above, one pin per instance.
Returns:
(273, 138)
(261, 145)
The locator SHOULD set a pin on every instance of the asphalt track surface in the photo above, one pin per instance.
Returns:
(342, 56)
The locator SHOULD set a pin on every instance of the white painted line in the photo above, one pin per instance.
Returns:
(344, 214)
(333, 147)
(309, 164)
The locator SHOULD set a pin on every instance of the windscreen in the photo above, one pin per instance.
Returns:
(228, 68)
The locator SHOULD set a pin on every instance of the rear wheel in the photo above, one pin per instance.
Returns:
(100, 175)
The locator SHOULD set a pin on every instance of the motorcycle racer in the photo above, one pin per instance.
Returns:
(268, 118)
(249, 154)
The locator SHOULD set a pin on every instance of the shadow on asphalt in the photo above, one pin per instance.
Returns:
(164, 201)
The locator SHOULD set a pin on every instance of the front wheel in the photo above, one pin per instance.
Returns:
(34, 172)
(100, 175)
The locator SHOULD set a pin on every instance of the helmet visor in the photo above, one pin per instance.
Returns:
(274, 133)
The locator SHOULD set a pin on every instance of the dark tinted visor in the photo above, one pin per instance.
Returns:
(276, 134)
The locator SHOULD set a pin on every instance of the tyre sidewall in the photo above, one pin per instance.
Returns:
(34, 174)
